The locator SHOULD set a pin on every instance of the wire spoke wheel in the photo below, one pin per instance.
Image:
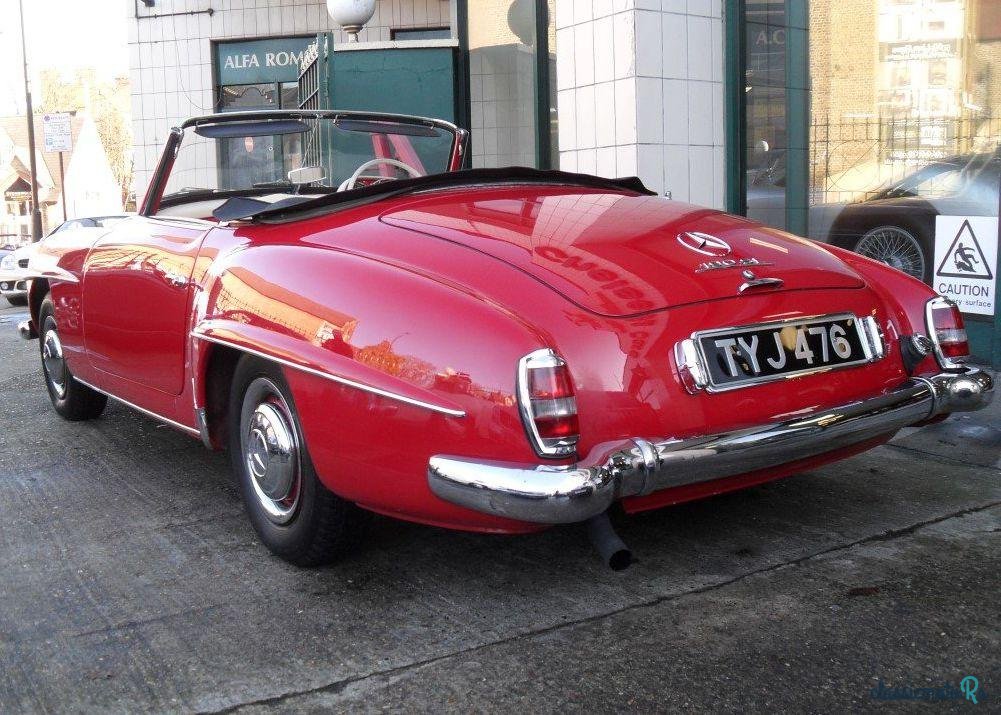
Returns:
(895, 247)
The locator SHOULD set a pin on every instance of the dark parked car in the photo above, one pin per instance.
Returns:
(896, 224)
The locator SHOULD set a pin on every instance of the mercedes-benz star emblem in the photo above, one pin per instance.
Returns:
(704, 243)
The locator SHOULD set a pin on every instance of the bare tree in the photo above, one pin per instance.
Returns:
(108, 103)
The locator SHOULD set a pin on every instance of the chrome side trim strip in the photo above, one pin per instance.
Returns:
(149, 413)
(334, 378)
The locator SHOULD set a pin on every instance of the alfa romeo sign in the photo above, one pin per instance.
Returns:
(966, 261)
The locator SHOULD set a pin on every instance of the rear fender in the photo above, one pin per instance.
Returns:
(904, 296)
(386, 367)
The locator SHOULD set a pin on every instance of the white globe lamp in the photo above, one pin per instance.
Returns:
(351, 15)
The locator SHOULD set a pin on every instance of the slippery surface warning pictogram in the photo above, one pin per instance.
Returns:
(965, 258)
(966, 255)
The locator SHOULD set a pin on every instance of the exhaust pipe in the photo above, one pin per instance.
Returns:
(27, 330)
(610, 547)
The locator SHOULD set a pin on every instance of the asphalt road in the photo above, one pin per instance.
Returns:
(131, 581)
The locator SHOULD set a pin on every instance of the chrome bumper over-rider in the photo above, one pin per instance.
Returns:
(564, 494)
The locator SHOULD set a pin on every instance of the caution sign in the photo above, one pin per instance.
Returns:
(966, 261)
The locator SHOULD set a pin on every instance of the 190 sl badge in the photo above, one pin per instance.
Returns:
(724, 263)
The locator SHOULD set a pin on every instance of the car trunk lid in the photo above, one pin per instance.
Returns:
(618, 254)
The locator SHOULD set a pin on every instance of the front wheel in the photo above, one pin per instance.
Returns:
(71, 399)
(295, 516)
(898, 247)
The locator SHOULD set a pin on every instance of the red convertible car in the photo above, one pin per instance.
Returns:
(367, 328)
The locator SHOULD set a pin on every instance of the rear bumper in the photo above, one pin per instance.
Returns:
(547, 494)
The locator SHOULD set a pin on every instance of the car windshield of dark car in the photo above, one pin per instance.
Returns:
(275, 160)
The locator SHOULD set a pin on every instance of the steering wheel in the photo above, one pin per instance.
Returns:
(351, 181)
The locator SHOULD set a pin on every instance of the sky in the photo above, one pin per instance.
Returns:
(61, 33)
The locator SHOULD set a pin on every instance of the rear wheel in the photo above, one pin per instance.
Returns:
(898, 247)
(295, 516)
(71, 399)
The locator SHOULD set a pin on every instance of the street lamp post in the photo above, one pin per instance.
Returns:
(36, 212)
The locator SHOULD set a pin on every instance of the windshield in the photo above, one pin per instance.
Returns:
(302, 155)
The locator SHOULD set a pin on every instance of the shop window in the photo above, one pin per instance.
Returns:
(901, 124)
(252, 75)
(261, 159)
(875, 125)
(905, 126)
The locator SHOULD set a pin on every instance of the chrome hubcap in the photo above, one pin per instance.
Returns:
(894, 247)
(271, 453)
(52, 361)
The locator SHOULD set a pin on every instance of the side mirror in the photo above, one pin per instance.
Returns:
(306, 175)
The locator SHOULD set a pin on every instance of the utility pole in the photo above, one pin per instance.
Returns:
(36, 211)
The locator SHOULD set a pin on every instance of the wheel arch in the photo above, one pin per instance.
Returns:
(215, 377)
(36, 294)
(379, 342)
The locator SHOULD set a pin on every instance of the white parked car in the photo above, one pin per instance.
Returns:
(13, 268)
(14, 284)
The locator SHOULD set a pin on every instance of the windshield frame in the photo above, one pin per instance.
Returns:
(154, 194)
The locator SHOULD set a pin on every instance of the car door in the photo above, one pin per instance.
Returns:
(136, 297)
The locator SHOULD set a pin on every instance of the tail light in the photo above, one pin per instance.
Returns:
(947, 332)
(548, 405)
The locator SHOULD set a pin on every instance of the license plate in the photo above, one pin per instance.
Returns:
(761, 353)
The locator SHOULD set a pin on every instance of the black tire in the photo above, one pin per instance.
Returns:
(18, 301)
(296, 517)
(72, 400)
(909, 238)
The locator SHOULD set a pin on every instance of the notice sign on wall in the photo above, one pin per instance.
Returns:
(57, 132)
(966, 261)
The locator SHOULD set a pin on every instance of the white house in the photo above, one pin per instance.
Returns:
(84, 186)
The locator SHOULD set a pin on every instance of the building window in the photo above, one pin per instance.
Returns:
(427, 33)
